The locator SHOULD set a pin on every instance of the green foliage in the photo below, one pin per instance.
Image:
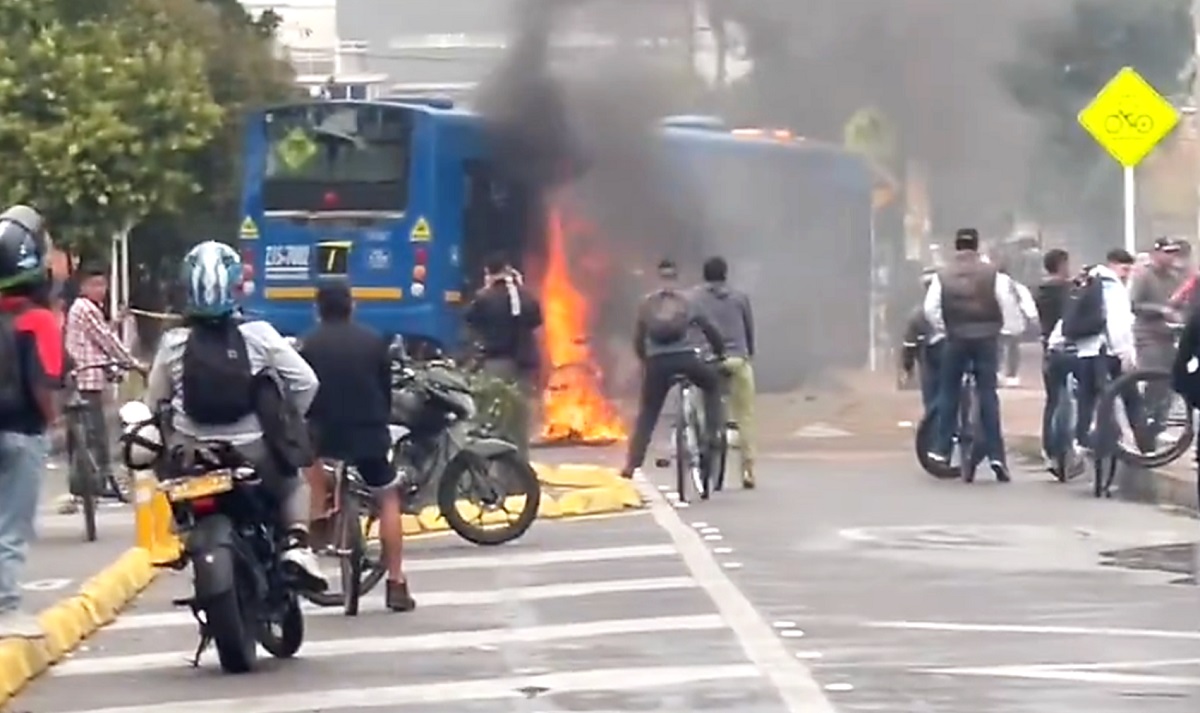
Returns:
(101, 116)
(1061, 67)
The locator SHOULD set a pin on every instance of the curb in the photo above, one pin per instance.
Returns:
(1159, 486)
(71, 621)
(570, 490)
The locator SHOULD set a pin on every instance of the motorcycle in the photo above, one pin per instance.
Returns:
(442, 454)
(242, 596)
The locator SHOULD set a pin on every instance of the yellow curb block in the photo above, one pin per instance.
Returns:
(71, 621)
(589, 490)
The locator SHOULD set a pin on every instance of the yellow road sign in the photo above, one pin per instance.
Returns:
(421, 232)
(1128, 117)
(249, 229)
(295, 149)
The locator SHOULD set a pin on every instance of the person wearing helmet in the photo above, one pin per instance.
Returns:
(923, 346)
(31, 360)
(210, 371)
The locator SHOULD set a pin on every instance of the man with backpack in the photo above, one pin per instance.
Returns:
(662, 342)
(31, 359)
(972, 303)
(1097, 321)
(241, 383)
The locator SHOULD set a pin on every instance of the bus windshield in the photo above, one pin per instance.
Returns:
(337, 157)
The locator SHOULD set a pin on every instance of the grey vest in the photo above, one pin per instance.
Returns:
(969, 304)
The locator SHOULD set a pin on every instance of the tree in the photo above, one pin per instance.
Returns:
(1062, 66)
(102, 116)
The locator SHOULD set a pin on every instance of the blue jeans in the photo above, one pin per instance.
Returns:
(1056, 368)
(981, 358)
(22, 460)
(931, 374)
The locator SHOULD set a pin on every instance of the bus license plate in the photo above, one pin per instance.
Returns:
(202, 486)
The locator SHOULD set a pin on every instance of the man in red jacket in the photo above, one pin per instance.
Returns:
(31, 358)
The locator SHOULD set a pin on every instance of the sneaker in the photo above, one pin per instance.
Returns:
(16, 624)
(302, 562)
(748, 478)
(938, 458)
(66, 505)
(1013, 382)
(1001, 471)
(397, 597)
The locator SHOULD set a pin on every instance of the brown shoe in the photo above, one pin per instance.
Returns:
(398, 598)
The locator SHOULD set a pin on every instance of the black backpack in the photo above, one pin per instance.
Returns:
(12, 382)
(668, 317)
(217, 381)
(1083, 313)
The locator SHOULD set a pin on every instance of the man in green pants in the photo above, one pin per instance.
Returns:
(729, 310)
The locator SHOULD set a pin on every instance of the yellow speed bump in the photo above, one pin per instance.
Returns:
(73, 620)
(570, 490)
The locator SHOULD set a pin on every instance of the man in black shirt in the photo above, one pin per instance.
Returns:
(1057, 364)
(504, 317)
(349, 419)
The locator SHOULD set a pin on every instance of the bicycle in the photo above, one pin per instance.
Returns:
(688, 435)
(1149, 381)
(81, 462)
(1115, 123)
(354, 514)
(965, 455)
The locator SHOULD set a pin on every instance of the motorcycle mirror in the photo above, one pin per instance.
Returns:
(135, 412)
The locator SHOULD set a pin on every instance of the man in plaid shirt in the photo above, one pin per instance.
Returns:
(90, 340)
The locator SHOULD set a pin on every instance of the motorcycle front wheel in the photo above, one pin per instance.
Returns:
(491, 486)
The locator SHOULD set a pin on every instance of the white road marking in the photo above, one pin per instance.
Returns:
(797, 688)
(424, 695)
(1040, 673)
(438, 641)
(450, 598)
(1034, 629)
(536, 559)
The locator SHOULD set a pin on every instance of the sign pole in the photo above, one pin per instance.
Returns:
(1130, 210)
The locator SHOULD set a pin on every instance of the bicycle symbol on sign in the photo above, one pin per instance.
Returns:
(1121, 121)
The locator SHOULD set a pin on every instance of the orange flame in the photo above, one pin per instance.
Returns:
(573, 406)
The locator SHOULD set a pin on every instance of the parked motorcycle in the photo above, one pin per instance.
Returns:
(444, 457)
(242, 596)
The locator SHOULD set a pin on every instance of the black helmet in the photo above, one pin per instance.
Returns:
(22, 247)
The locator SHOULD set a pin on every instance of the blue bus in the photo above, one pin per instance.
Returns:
(401, 198)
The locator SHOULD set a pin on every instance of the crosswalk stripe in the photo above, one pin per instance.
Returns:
(449, 598)
(439, 641)
(538, 559)
(623, 679)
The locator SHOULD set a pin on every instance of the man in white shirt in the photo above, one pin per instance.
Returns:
(972, 303)
(1103, 352)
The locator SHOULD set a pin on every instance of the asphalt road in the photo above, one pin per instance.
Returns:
(849, 581)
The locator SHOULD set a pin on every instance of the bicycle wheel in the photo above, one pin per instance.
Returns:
(1154, 446)
(351, 543)
(922, 443)
(968, 434)
(373, 567)
(82, 465)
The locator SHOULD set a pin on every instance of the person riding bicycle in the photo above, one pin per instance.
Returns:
(662, 342)
(90, 341)
(729, 310)
(1097, 321)
(349, 419)
(923, 346)
(973, 303)
(31, 360)
(212, 370)
(1057, 363)
(1151, 289)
